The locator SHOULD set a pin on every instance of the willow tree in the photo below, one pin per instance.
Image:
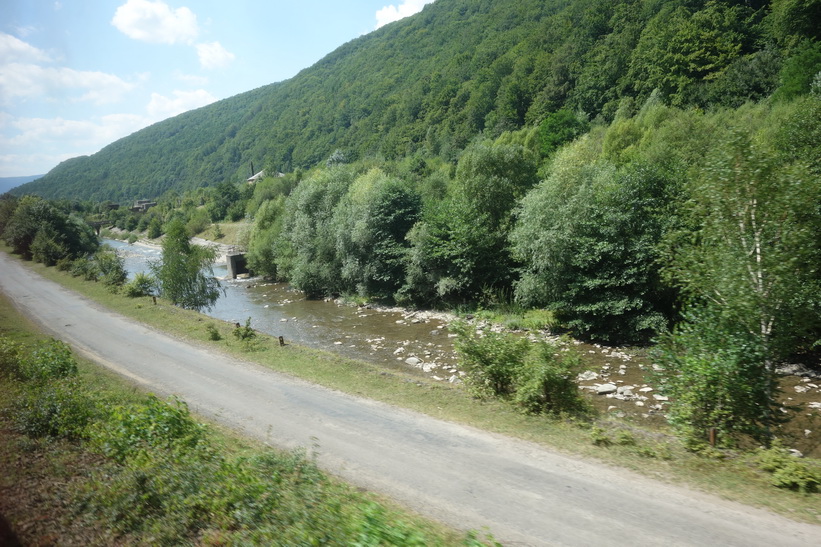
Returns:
(184, 273)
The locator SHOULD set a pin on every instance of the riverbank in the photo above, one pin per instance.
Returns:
(620, 383)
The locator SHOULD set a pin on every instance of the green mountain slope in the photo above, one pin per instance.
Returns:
(430, 83)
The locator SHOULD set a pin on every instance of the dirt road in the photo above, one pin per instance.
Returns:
(524, 494)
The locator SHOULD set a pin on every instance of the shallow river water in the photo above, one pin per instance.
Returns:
(389, 337)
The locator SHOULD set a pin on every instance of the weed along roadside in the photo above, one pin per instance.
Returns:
(732, 475)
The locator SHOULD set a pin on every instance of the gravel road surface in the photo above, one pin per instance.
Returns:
(524, 494)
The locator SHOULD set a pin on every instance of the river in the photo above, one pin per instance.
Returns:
(416, 342)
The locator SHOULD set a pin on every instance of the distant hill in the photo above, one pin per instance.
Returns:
(7, 183)
(428, 84)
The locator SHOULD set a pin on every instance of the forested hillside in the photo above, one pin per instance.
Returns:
(427, 85)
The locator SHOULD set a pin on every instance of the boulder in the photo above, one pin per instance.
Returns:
(606, 389)
(626, 391)
(587, 376)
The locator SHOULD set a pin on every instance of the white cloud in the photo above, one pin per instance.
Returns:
(38, 144)
(391, 13)
(162, 107)
(25, 31)
(26, 81)
(35, 145)
(81, 134)
(14, 50)
(156, 22)
(213, 55)
(191, 79)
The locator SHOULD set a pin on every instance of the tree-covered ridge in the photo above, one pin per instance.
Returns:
(427, 85)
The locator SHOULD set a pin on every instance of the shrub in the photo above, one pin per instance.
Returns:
(85, 268)
(716, 375)
(787, 470)
(599, 437)
(111, 268)
(10, 354)
(376, 529)
(796, 475)
(49, 360)
(64, 264)
(154, 228)
(142, 285)
(491, 361)
(213, 332)
(153, 424)
(246, 333)
(57, 409)
(164, 495)
(547, 382)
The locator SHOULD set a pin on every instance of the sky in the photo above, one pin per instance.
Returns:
(76, 75)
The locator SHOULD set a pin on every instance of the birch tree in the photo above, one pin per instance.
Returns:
(750, 270)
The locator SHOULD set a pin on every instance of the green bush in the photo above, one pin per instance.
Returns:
(787, 470)
(49, 360)
(164, 495)
(10, 355)
(154, 228)
(142, 285)
(213, 333)
(131, 430)
(57, 409)
(796, 475)
(375, 530)
(64, 264)
(111, 268)
(491, 361)
(599, 437)
(547, 382)
(246, 333)
(85, 268)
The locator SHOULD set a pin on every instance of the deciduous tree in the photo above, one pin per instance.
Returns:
(184, 273)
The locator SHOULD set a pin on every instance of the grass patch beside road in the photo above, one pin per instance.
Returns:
(109, 464)
(731, 475)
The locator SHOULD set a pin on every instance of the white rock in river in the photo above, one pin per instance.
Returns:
(605, 389)
(587, 376)
(413, 361)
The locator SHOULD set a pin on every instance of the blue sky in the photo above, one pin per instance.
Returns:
(76, 75)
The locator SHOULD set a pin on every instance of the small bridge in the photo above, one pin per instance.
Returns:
(97, 224)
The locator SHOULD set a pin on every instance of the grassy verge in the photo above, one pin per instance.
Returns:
(732, 475)
(87, 459)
